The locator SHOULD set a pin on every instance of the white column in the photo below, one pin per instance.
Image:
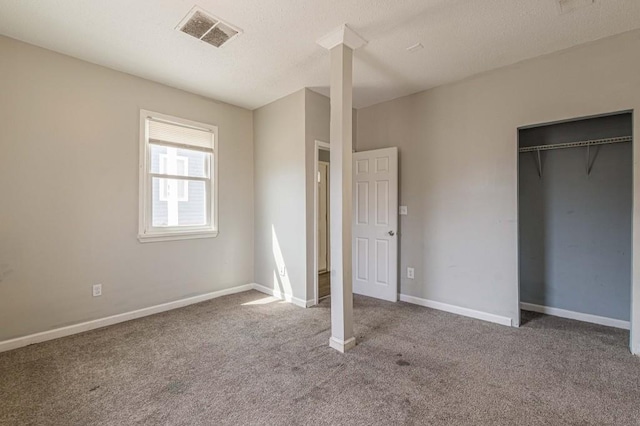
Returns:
(341, 44)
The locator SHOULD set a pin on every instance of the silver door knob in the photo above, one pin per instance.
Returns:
(392, 233)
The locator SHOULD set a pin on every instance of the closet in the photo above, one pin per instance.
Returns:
(575, 216)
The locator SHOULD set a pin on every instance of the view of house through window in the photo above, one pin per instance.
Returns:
(178, 202)
(178, 178)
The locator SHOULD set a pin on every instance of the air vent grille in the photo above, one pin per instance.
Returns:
(207, 28)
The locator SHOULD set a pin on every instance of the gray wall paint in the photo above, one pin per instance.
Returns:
(69, 143)
(575, 230)
(458, 166)
(317, 119)
(285, 133)
(280, 221)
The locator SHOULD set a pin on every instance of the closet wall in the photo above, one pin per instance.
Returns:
(575, 227)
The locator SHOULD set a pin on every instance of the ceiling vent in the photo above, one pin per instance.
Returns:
(567, 6)
(208, 28)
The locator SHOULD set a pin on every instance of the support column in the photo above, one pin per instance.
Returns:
(341, 44)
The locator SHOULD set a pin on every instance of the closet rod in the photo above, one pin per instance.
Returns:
(576, 144)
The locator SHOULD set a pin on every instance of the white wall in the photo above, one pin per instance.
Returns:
(280, 188)
(458, 166)
(69, 194)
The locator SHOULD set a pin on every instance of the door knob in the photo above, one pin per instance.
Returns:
(392, 233)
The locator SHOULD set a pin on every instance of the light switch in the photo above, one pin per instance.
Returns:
(402, 210)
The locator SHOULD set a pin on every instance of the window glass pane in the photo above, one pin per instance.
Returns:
(178, 161)
(177, 202)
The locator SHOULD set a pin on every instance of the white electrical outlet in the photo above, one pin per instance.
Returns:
(402, 210)
(97, 290)
(411, 273)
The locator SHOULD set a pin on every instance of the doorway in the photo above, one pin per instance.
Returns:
(375, 223)
(322, 244)
(575, 201)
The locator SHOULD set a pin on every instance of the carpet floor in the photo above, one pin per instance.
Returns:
(246, 359)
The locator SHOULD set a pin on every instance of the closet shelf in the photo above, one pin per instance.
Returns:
(607, 141)
(589, 143)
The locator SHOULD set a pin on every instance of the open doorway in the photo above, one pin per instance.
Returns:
(322, 222)
(575, 198)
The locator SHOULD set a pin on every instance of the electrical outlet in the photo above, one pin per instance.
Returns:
(411, 273)
(97, 290)
(402, 210)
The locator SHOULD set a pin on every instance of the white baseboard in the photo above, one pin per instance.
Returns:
(342, 345)
(283, 296)
(563, 313)
(19, 342)
(485, 316)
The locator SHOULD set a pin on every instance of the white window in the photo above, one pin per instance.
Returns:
(178, 185)
(173, 164)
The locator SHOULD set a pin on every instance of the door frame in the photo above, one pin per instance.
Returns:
(328, 208)
(316, 157)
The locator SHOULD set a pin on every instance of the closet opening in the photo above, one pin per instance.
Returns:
(575, 198)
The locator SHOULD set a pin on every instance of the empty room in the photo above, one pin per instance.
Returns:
(290, 212)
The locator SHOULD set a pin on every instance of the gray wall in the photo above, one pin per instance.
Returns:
(575, 229)
(69, 144)
(280, 221)
(285, 132)
(458, 166)
(317, 118)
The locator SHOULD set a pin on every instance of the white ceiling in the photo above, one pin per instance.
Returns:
(278, 54)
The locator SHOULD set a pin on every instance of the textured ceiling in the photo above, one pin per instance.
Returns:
(277, 53)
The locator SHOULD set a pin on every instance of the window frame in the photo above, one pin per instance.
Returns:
(163, 183)
(146, 231)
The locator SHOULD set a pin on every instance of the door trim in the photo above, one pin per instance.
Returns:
(328, 205)
(316, 157)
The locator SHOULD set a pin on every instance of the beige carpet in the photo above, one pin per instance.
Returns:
(236, 361)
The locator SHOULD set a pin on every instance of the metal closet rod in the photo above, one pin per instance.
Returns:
(576, 144)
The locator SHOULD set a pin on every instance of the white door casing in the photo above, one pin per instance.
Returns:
(323, 216)
(375, 223)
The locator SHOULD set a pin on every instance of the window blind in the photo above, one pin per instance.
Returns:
(177, 134)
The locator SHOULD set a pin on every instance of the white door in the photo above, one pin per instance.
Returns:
(375, 223)
(323, 216)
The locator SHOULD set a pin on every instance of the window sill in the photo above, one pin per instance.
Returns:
(173, 236)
